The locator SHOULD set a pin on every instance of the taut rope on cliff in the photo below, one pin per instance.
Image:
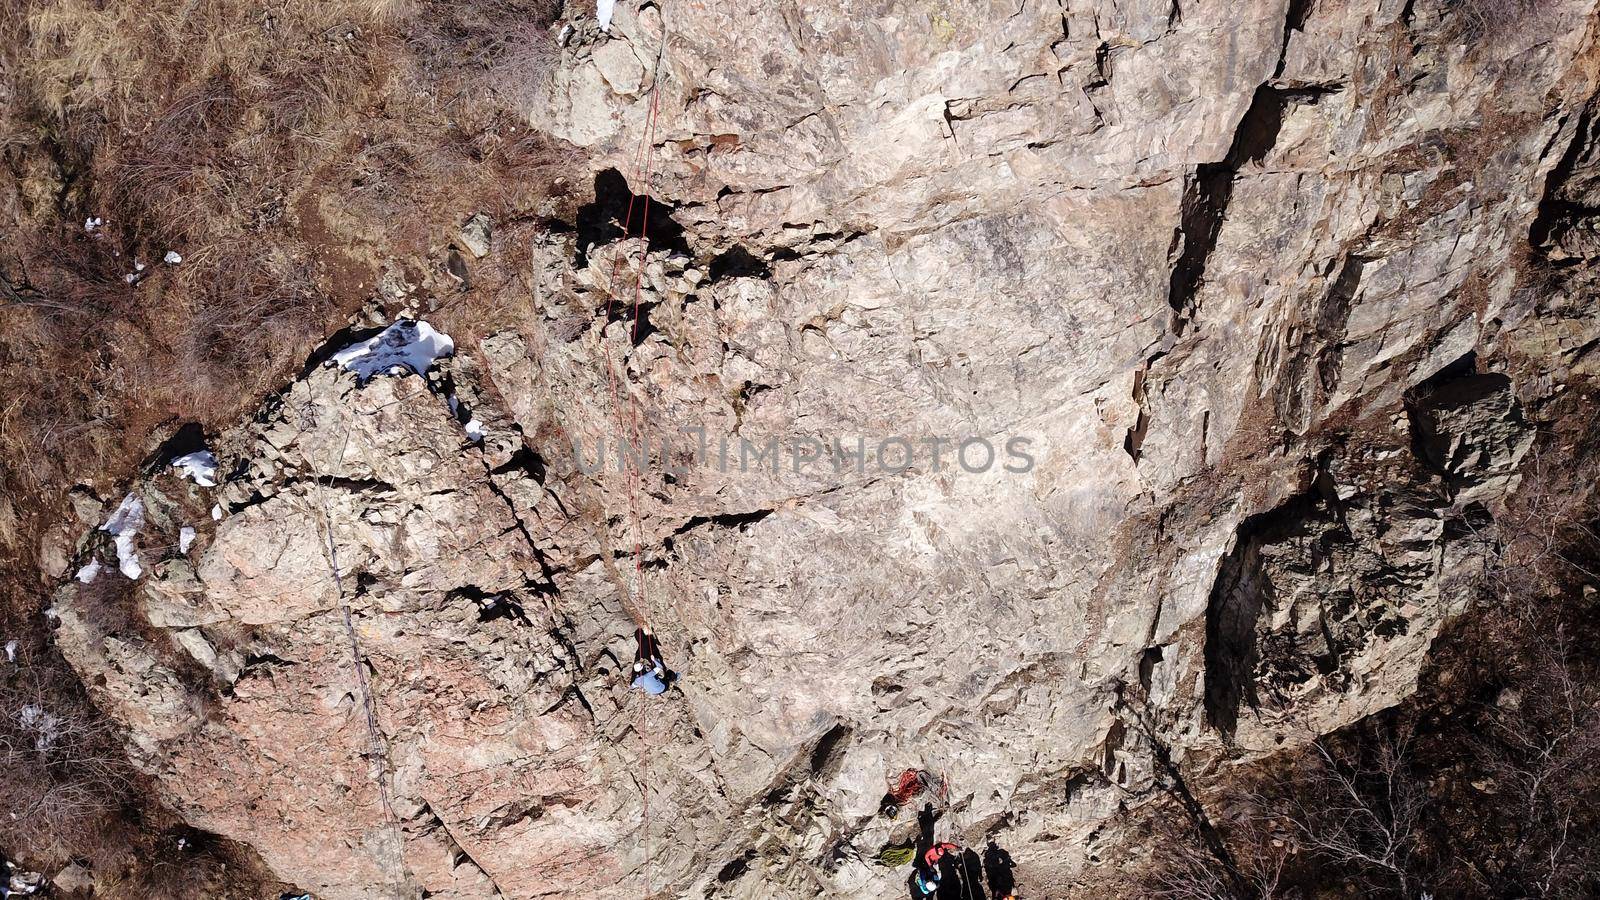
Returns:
(377, 745)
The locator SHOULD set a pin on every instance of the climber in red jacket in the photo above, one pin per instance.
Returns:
(937, 852)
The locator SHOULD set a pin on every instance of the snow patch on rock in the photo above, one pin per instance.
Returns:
(200, 466)
(185, 538)
(409, 345)
(124, 525)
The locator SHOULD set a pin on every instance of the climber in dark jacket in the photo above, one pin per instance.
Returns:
(998, 866)
(649, 672)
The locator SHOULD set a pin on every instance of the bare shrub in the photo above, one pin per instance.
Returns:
(1537, 748)
(1489, 19)
(1359, 811)
(1338, 812)
(504, 47)
(66, 774)
(1184, 869)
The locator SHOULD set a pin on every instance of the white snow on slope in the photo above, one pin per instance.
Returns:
(409, 345)
(185, 538)
(602, 11)
(200, 465)
(89, 572)
(124, 525)
(172, 258)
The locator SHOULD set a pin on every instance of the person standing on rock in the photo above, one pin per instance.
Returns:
(649, 671)
(998, 866)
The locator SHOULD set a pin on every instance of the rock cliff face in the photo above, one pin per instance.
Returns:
(1033, 390)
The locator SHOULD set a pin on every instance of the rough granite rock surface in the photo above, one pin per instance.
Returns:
(1241, 275)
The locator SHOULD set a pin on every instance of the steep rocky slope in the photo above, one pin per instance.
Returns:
(1247, 282)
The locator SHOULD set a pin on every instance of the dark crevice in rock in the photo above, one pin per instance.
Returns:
(338, 483)
(741, 521)
(572, 661)
(512, 813)
(491, 606)
(1463, 366)
(635, 317)
(263, 660)
(617, 211)
(572, 692)
(492, 475)
(189, 438)
(458, 854)
(829, 751)
(1238, 596)
(1294, 19)
(256, 498)
(1560, 208)
(1147, 666)
(504, 607)
(525, 460)
(335, 342)
(1333, 317)
(1133, 443)
(737, 262)
(1208, 190)
(736, 867)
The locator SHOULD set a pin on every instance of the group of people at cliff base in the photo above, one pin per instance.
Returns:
(945, 871)
(941, 869)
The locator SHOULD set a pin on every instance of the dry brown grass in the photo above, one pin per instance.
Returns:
(288, 152)
(65, 770)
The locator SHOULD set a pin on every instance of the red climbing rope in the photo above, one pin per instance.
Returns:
(635, 415)
(633, 425)
(644, 167)
(636, 418)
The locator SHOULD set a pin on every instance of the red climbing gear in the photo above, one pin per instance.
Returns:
(913, 782)
(910, 785)
(937, 852)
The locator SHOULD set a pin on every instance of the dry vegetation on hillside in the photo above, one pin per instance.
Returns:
(295, 154)
(1480, 785)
